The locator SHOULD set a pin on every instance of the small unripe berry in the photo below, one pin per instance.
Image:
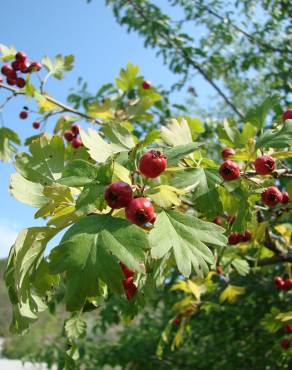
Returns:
(20, 82)
(68, 135)
(75, 129)
(146, 84)
(227, 152)
(229, 170)
(152, 163)
(76, 143)
(23, 114)
(285, 197)
(246, 236)
(234, 238)
(288, 328)
(6, 70)
(35, 67)
(36, 125)
(271, 196)
(140, 211)
(20, 56)
(287, 115)
(265, 165)
(217, 220)
(118, 194)
(285, 343)
(131, 291)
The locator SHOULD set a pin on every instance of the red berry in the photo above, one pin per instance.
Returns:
(285, 197)
(265, 165)
(36, 125)
(230, 219)
(131, 291)
(15, 65)
(76, 143)
(128, 282)
(23, 114)
(279, 282)
(146, 84)
(287, 115)
(217, 220)
(176, 321)
(75, 129)
(118, 194)
(227, 152)
(285, 343)
(140, 211)
(234, 238)
(229, 170)
(287, 284)
(288, 328)
(11, 81)
(271, 196)
(20, 56)
(127, 272)
(20, 82)
(68, 135)
(246, 236)
(35, 67)
(219, 270)
(24, 67)
(152, 163)
(6, 70)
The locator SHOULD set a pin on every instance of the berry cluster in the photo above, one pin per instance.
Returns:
(272, 196)
(283, 284)
(235, 237)
(19, 65)
(72, 136)
(120, 195)
(128, 282)
(229, 219)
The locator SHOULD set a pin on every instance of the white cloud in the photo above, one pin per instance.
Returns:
(8, 235)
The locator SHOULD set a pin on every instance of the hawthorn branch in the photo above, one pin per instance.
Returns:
(189, 61)
(274, 259)
(276, 174)
(64, 107)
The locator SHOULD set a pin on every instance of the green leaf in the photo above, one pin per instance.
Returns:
(75, 328)
(88, 249)
(57, 66)
(271, 322)
(176, 133)
(119, 135)
(196, 126)
(228, 134)
(64, 123)
(91, 198)
(128, 78)
(27, 192)
(175, 154)
(7, 140)
(78, 173)
(241, 266)
(164, 196)
(279, 139)
(186, 236)
(46, 162)
(258, 113)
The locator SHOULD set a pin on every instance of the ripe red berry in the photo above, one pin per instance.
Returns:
(76, 143)
(11, 81)
(234, 238)
(75, 129)
(140, 211)
(288, 328)
(229, 170)
(285, 343)
(131, 291)
(285, 197)
(15, 65)
(35, 67)
(271, 196)
(118, 194)
(20, 82)
(6, 70)
(152, 163)
(24, 67)
(176, 321)
(279, 282)
(23, 114)
(217, 220)
(146, 84)
(68, 135)
(36, 125)
(127, 272)
(287, 284)
(20, 56)
(246, 236)
(227, 152)
(219, 270)
(128, 282)
(287, 115)
(265, 165)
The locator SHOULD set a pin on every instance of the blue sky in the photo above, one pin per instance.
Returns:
(101, 48)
